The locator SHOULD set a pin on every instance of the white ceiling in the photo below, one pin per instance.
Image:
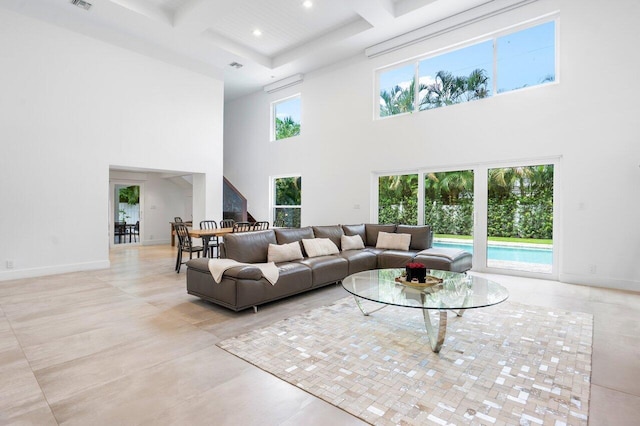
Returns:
(207, 35)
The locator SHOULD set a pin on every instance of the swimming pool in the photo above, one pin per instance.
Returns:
(542, 256)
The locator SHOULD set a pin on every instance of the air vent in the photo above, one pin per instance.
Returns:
(81, 4)
(235, 65)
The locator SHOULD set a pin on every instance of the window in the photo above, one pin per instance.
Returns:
(398, 199)
(459, 76)
(523, 59)
(285, 118)
(526, 58)
(397, 91)
(287, 201)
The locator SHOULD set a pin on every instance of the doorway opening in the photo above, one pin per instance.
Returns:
(126, 214)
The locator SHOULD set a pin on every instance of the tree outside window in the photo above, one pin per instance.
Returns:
(287, 203)
(286, 118)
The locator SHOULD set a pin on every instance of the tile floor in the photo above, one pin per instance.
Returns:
(128, 345)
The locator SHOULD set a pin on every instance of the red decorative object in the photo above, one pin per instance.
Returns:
(417, 271)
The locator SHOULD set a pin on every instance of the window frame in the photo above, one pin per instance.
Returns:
(272, 123)
(272, 195)
(493, 36)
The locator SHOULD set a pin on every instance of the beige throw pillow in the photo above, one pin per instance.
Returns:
(284, 252)
(319, 247)
(393, 241)
(351, 242)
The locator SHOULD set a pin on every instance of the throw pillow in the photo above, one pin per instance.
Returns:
(393, 241)
(284, 252)
(351, 242)
(319, 247)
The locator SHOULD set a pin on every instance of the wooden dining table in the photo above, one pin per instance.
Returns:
(209, 234)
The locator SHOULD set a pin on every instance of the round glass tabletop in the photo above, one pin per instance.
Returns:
(456, 291)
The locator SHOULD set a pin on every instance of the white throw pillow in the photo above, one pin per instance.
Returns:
(319, 247)
(284, 252)
(351, 242)
(393, 241)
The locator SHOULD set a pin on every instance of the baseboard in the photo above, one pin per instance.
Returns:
(52, 270)
(597, 281)
(156, 242)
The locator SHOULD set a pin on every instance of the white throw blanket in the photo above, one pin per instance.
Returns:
(218, 266)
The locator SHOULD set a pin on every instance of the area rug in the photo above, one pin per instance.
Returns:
(505, 364)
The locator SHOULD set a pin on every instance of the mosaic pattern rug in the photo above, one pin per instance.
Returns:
(507, 364)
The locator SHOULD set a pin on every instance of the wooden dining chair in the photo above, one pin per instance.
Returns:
(242, 227)
(185, 244)
(260, 226)
(210, 243)
(227, 223)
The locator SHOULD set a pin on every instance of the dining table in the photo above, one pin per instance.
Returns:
(208, 235)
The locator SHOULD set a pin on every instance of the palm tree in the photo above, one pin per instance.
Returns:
(286, 128)
(446, 90)
(449, 89)
(399, 100)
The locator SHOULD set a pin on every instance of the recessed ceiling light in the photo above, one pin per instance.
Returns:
(257, 32)
(307, 4)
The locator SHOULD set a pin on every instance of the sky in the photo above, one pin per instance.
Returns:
(289, 108)
(523, 58)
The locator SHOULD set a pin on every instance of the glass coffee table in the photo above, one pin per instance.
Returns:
(457, 292)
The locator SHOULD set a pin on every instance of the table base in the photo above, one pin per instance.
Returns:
(435, 340)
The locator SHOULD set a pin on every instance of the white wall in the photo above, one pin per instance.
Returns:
(72, 106)
(589, 119)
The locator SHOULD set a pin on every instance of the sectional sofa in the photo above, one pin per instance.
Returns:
(379, 246)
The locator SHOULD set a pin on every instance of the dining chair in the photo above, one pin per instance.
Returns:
(135, 232)
(177, 219)
(242, 227)
(210, 243)
(120, 231)
(261, 225)
(227, 223)
(185, 244)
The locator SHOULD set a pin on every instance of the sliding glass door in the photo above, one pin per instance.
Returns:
(448, 208)
(520, 218)
(504, 215)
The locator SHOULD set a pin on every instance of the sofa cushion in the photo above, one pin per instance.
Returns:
(319, 247)
(249, 247)
(360, 260)
(289, 235)
(393, 241)
(394, 258)
(356, 230)
(351, 242)
(326, 269)
(333, 232)
(372, 230)
(421, 237)
(284, 252)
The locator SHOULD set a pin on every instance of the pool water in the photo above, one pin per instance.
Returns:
(507, 253)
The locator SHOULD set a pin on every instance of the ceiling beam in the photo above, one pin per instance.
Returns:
(376, 12)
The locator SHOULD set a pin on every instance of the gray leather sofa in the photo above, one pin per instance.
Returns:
(243, 286)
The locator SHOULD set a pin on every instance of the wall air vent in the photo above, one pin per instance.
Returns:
(82, 4)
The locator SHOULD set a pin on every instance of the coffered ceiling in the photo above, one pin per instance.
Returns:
(271, 39)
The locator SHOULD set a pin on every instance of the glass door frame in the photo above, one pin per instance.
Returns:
(480, 207)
